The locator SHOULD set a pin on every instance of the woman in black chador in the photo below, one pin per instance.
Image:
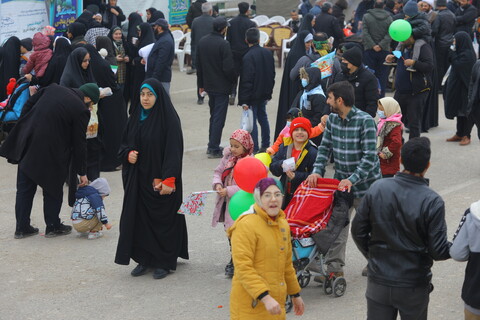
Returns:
(151, 231)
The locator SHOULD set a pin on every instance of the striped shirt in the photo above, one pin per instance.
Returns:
(353, 143)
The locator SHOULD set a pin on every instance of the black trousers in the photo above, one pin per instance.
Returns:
(441, 54)
(412, 106)
(52, 203)
(464, 126)
(385, 303)
(218, 103)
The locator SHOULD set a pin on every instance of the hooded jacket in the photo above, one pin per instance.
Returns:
(262, 255)
(466, 247)
(41, 55)
(375, 29)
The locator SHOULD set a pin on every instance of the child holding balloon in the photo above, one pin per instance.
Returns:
(295, 159)
(241, 146)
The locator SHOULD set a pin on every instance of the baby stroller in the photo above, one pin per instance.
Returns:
(11, 108)
(316, 216)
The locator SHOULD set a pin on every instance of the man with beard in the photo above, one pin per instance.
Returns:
(160, 59)
(350, 135)
(49, 134)
(465, 17)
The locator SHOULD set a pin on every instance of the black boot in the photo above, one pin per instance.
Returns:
(229, 269)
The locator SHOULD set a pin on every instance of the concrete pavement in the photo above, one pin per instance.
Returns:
(70, 277)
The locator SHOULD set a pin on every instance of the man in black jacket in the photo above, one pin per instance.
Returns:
(327, 23)
(412, 88)
(363, 81)
(236, 37)
(465, 17)
(442, 30)
(201, 26)
(160, 59)
(215, 75)
(256, 85)
(194, 11)
(400, 228)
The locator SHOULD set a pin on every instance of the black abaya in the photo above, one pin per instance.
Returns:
(74, 76)
(430, 111)
(289, 89)
(9, 64)
(151, 231)
(112, 112)
(55, 68)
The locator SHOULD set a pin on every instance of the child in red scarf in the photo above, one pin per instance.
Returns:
(241, 145)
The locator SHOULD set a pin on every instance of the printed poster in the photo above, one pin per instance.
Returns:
(63, 13)
(178, 11)
(22, 18)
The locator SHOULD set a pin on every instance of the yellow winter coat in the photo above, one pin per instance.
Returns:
(262, 256)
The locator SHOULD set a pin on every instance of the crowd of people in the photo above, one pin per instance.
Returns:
(100, 101)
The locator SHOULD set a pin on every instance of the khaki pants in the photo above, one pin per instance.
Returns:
(335, 258)
(92, 225)
(471, 316)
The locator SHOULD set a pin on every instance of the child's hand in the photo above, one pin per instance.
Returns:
(382, 155)
(221, 191)
(323, 120)
(133, 156)
(290, 174)
(108, 226)
(270, 151)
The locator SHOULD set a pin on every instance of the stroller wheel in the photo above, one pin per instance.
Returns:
(339, 286)
(327, 286)
(304, 279)
(288, 304)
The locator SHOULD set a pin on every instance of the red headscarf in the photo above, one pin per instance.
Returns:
(245, 139)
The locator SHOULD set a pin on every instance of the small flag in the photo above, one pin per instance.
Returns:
(325, 64)
(194, 203)
(397, 54)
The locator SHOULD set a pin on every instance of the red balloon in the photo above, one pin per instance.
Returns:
(247, 173)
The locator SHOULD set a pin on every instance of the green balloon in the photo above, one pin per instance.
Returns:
(239, 203)
(400, 30)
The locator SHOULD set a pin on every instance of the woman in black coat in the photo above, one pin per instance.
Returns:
(9, 64)
(462, 60)
(152, 233)
(54, 71)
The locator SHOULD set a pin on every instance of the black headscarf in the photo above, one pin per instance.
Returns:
(77, 29)
(106, 43)
(159, 142)
(101, 69)
(155, 16)
(306, 24)
(146, 35)
(74, 76)
(9, 64)
(134, 20)
(86, 18)
(55, 68)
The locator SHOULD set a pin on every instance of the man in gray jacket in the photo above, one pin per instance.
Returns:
(376, 41)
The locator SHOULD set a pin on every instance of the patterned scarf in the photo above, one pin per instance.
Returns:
(245, 139)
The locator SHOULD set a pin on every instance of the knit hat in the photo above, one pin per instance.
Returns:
(91, 90)
(27, 43)
(441, 3)
(354, 55)
(411, 9)
(301, 122)
(101, 184)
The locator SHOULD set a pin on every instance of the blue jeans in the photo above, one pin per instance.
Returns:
(374, 60)
(218, 103)
(260, 115)
(52, 203)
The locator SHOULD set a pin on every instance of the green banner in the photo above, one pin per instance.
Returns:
(178, 11)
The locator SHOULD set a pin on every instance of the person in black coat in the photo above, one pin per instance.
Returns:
(327, 23)
(256, 86)
(236, 37)
(304, 153)
(154, 14)
(113, 16)
(363, 81)
(9, 64)
(465, 17)
(194, 11)
(50, 133)
(160, 59)
(201, 27)
(215, 75)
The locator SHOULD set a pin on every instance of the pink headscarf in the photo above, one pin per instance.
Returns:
(246, 141)
(392, 112)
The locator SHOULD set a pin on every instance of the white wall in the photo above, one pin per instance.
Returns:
(129, 6)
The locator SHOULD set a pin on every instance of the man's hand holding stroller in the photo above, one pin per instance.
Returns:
(312, 180)
(345, 185)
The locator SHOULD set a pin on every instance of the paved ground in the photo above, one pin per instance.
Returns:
(70, 277)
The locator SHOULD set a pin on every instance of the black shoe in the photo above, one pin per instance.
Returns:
(191, 71)
(30, 231)
(200, 101)
(262, 150)
(215, 155)
(139, 271)
(160, 273)
(231, 99)
(62, 230)
(209, 151)
(229, 269)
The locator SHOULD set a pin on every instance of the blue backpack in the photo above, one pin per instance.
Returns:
(12, 111)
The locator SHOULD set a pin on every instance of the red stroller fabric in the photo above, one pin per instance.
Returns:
(310, 208)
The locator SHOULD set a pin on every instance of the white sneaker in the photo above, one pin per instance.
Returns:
(94, 235)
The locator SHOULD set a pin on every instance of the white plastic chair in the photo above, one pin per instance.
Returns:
(187, 50)
(263, 38)
(286, 50)
(178, 37)
(260, 20)
(287, 22)
(278, 19)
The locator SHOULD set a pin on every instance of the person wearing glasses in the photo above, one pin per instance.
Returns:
(262, 255)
